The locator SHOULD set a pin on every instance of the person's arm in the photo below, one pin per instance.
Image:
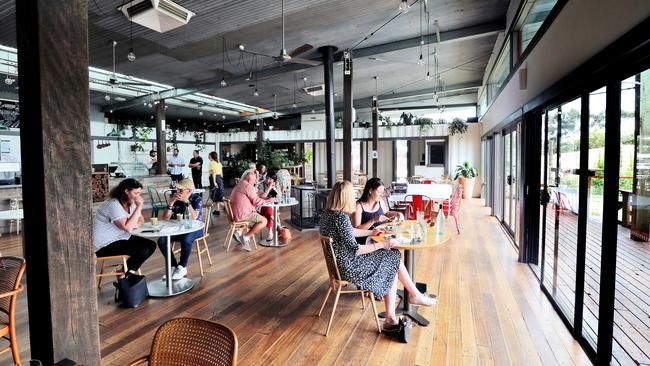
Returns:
(194, 212)
(128, 224)
(388, 213)
(255, 199)
(365, 249)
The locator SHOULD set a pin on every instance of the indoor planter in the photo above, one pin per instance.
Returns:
(465, 174)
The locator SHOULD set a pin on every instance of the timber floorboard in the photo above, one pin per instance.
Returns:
(490, 311)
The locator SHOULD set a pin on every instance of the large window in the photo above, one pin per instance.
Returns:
(499, 72)
(531, 19)
(401, 160)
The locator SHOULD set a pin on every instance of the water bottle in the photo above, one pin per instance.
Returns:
(187, 218)
(441, 221)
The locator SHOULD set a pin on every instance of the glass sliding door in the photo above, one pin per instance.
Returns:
(510, 180)
(562, 166)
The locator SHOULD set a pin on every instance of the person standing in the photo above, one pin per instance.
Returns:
(196, 163)
(176, 166)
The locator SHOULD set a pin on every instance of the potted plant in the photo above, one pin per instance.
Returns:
(457, 126)
(465, 174)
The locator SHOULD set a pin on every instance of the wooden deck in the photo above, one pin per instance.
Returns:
(491, 311)
(632, 306)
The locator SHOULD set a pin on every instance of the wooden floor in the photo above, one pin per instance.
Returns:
(632, 304)
(491, 310)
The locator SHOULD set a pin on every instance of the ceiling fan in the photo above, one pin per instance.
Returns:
(285, 56)
(113, 80)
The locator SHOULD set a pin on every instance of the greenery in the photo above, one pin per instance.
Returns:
(273, 159)
(425, 124)
(199, 140)
(140, 135)
(457, 126)
(466, 171)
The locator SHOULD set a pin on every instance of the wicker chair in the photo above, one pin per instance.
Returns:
(196, 342)
(234, 225)
(11, 272)
(336, 284)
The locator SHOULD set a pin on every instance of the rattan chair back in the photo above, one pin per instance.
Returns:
(196, 342)
(11, 272)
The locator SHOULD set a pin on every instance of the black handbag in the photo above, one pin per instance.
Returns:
(131, 290)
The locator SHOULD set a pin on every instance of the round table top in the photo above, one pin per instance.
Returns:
(432, 238)
(195, 190)
(11, 214)
(292, 202)
(166, 228)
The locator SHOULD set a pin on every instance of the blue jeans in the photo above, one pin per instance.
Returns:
(186, 246)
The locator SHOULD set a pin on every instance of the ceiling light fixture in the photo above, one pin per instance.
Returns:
(403, 6)
(421, 59)
(223, 63)
(255, 93)
(241, 46)
(294, 105)
(107, 98)
(275, 105)
(131, 55)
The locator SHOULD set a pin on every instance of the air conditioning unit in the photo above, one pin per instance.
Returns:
(315, 90)
(159, 15)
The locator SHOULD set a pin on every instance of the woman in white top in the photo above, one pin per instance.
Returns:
(114, 221)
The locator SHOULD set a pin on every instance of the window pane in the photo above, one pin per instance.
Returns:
(535, 12)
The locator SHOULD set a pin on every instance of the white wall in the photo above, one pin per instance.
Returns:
(466, 147)
(582, 29)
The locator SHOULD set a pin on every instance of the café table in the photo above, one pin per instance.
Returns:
(431, 240)
(276, 243)
(11, 215)
(164, 228)
(195, 190)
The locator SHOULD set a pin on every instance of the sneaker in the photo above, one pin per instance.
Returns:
(179, 273)
(164, 277)
(247, 244)
(424, 300)
(238, 238)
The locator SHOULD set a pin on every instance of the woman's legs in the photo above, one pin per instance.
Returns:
(268, 213)
(389, 300)
(405, 279)
(138, 249)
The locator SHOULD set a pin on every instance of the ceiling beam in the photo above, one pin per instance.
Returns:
(477, 31)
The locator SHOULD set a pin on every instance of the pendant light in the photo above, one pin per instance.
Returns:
(294, 105)
(313, 99)
(255, 93)
(421, 59)
(275, 105)
(131, 55)
(403, 6)
(223, 63)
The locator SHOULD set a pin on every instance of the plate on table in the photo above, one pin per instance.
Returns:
(392, 228)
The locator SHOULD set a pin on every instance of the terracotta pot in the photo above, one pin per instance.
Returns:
(468, 186)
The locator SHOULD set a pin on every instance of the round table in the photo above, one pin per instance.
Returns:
(168, 229)
(11, 214)
(276, 243)
(431, 239)
(195, 190)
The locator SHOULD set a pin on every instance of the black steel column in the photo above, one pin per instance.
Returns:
(52, 38)
(161, 138)
(610, 223)
(260, 136)
(375, 135)
(347, 116)
(330, 127)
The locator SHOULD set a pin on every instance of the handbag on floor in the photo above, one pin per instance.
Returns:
(131, 290)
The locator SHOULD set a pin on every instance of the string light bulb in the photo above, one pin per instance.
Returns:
(223, 82)
(131, 55)
(256, 93)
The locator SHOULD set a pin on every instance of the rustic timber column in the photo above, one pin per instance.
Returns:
(161, 138)
(375, 134)
(347, 116)
(55, 148)
(330, 128)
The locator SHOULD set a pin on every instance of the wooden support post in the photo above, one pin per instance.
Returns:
(52, 39)
(260, 136)
(161, 138)
(347, 116)
(330, 128)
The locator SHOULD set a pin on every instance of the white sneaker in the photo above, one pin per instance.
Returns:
(179, 273)
(247, 244)
(238, 237)
(173, 270)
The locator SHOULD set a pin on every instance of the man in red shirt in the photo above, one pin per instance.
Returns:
(244, 201)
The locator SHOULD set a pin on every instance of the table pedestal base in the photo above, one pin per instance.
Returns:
(272, 243)
(159, 288)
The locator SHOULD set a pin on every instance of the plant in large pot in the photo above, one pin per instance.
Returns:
(465, 174)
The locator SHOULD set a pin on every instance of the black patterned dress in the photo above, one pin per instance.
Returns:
(373, 271)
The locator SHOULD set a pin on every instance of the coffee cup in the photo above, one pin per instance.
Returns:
(154, 221)
(179, 217)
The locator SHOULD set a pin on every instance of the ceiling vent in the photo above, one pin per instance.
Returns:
(159, 15)
(315, 90)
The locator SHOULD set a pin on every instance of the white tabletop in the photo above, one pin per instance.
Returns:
(292, 202)
(166, 228)
(11, 214)
(433, 191)
(195, 190)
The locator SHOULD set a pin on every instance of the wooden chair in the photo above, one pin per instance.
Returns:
(188, 341)
(15, 205)
(117, 272)
(336, 284)
(207, 213)
(234, 226)
(156, 201)
(11, 272)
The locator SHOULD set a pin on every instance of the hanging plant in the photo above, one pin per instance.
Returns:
(457, 126)
(425, 124)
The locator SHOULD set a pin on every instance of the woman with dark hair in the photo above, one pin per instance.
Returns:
(114, 221)
(371, 208)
